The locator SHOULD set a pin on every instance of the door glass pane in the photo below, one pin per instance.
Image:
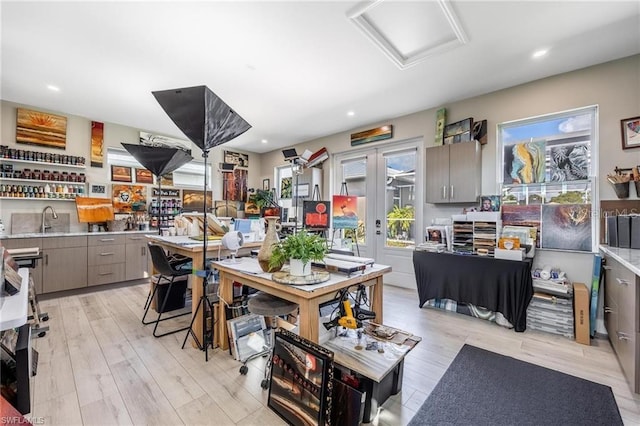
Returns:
(400, 181)
(354, 183)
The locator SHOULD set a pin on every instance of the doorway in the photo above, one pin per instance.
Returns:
(387, 184)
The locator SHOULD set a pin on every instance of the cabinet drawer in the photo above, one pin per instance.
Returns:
(104, 240)
(63, 242)
(104, 274)
(105, 255)
(136, 239)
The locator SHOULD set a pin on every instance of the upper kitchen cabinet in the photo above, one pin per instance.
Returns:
(453, 173)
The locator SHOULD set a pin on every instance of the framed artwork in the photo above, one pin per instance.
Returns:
(373, 135)
(441, 116)
(344, 212)
(301, 382)
(266, 184)
(285, 188)
(630, 128)
(143, 176)
(457, 132)
(129, 198)
(566, 227)
(41, 128)
(490, 203)
(193, 200)
(237, 158)
(235, 185)
(98, 190)
(97, 141)
(151, 139)
(301, 190)
(315, 214)
(121, 174)
(524, 162)
(167, 180)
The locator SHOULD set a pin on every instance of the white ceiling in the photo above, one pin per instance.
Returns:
(294, 69)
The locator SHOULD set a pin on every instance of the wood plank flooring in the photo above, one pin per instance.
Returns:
(99, 365)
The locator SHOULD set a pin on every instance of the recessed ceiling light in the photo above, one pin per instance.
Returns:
(351, 113)
(264, 141)
(539, 53)
(53, 88)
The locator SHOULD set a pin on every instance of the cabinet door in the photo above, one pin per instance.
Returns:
(36, 273)
(137, 260)
(437, 174)
(464, 172)
(64, 269)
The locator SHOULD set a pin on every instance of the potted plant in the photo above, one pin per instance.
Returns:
(299, 250)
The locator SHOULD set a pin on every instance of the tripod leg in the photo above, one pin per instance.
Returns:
(190, 331)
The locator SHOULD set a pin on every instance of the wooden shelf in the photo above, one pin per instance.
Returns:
(37, 199)
(43, 181)
(71, 166)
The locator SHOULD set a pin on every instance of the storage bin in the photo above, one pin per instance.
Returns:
(177, 296)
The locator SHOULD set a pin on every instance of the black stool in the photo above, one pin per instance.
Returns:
(168, 272)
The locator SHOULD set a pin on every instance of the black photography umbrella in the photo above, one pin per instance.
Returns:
(158, 160)
(207, 121)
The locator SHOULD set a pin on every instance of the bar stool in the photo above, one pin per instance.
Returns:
(168, 272)
(272, 307)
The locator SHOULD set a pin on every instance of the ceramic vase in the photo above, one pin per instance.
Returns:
(270, 239)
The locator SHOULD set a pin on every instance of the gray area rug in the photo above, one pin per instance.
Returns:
(485, 388)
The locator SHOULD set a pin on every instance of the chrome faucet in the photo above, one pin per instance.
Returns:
(44, 226)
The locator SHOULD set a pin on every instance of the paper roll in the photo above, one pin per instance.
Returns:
(545, 273)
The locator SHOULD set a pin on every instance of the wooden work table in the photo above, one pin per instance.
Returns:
(308, 297)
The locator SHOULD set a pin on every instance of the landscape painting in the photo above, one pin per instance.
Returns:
(345, 212)
(566, 226)
(41, 128)
(522, 215)
(235, 185)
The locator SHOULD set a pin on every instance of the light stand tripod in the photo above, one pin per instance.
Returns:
(204, 301)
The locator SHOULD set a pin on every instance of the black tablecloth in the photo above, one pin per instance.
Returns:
(499, 285)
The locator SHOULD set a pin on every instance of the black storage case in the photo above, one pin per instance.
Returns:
(177, 295)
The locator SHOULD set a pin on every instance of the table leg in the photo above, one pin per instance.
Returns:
(196, 293)
(375, 293)
(226, 294)
(308, 320)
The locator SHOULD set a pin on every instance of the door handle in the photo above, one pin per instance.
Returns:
(622, 336)
(107, 254)
(608, 310)
(452, 196)
(606, 268)
(104, 240)
(46, 259)
(622, 281)
(444, 192)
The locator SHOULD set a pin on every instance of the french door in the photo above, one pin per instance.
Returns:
(387, 183)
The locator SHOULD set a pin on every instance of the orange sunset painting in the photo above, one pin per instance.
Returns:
(41, 128)
(344, 212)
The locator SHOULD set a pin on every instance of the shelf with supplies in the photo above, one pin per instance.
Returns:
(14, 160)
(49, 191)
(25, 156)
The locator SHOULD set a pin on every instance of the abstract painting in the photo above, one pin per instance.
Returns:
(568, 163)
(286, 191)
(524, 162)
(97, 142)
(129, 198)
(373, 135)
(316, 214)
(345, 212)
(235, 185)
(41, 128)
(566, 226)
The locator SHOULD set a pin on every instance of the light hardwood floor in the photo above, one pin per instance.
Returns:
(100, 366)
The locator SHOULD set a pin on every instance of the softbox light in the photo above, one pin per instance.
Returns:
(201, 115)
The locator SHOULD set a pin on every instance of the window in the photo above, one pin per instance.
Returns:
(548, 177)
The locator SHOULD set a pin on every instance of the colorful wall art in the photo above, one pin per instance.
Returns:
(566, 226)
(41, 128)
(316, 214)
(286, 191)
(237, 158)
(373, 135)
(524, 162)
(143, 176)
(345, 212)
(129, 198)
(235, 185)
(97, 142)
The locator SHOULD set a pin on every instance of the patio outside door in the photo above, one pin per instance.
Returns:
(387, 183)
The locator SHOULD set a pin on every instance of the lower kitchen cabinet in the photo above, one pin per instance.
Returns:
(137, 258)
(64, 263)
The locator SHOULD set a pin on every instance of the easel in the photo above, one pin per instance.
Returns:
(345, 191)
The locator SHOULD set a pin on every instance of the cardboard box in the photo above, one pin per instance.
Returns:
(515, 254)
(581, 296)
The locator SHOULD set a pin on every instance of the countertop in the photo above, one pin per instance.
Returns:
(630, 258)
(72, 234)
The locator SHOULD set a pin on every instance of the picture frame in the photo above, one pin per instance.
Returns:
(266, 184)
(311, 380)
(121, 174)
(41, 128)
(630, 132)
(315, 214)
(143, 176)
(98, 190)
(457, 132)
(240, 331)
(237, 158)
(301, 190)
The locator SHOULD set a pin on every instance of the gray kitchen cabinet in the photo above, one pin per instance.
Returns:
(64, 264)
(453, 173)
(621, 317)
(137, 257)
